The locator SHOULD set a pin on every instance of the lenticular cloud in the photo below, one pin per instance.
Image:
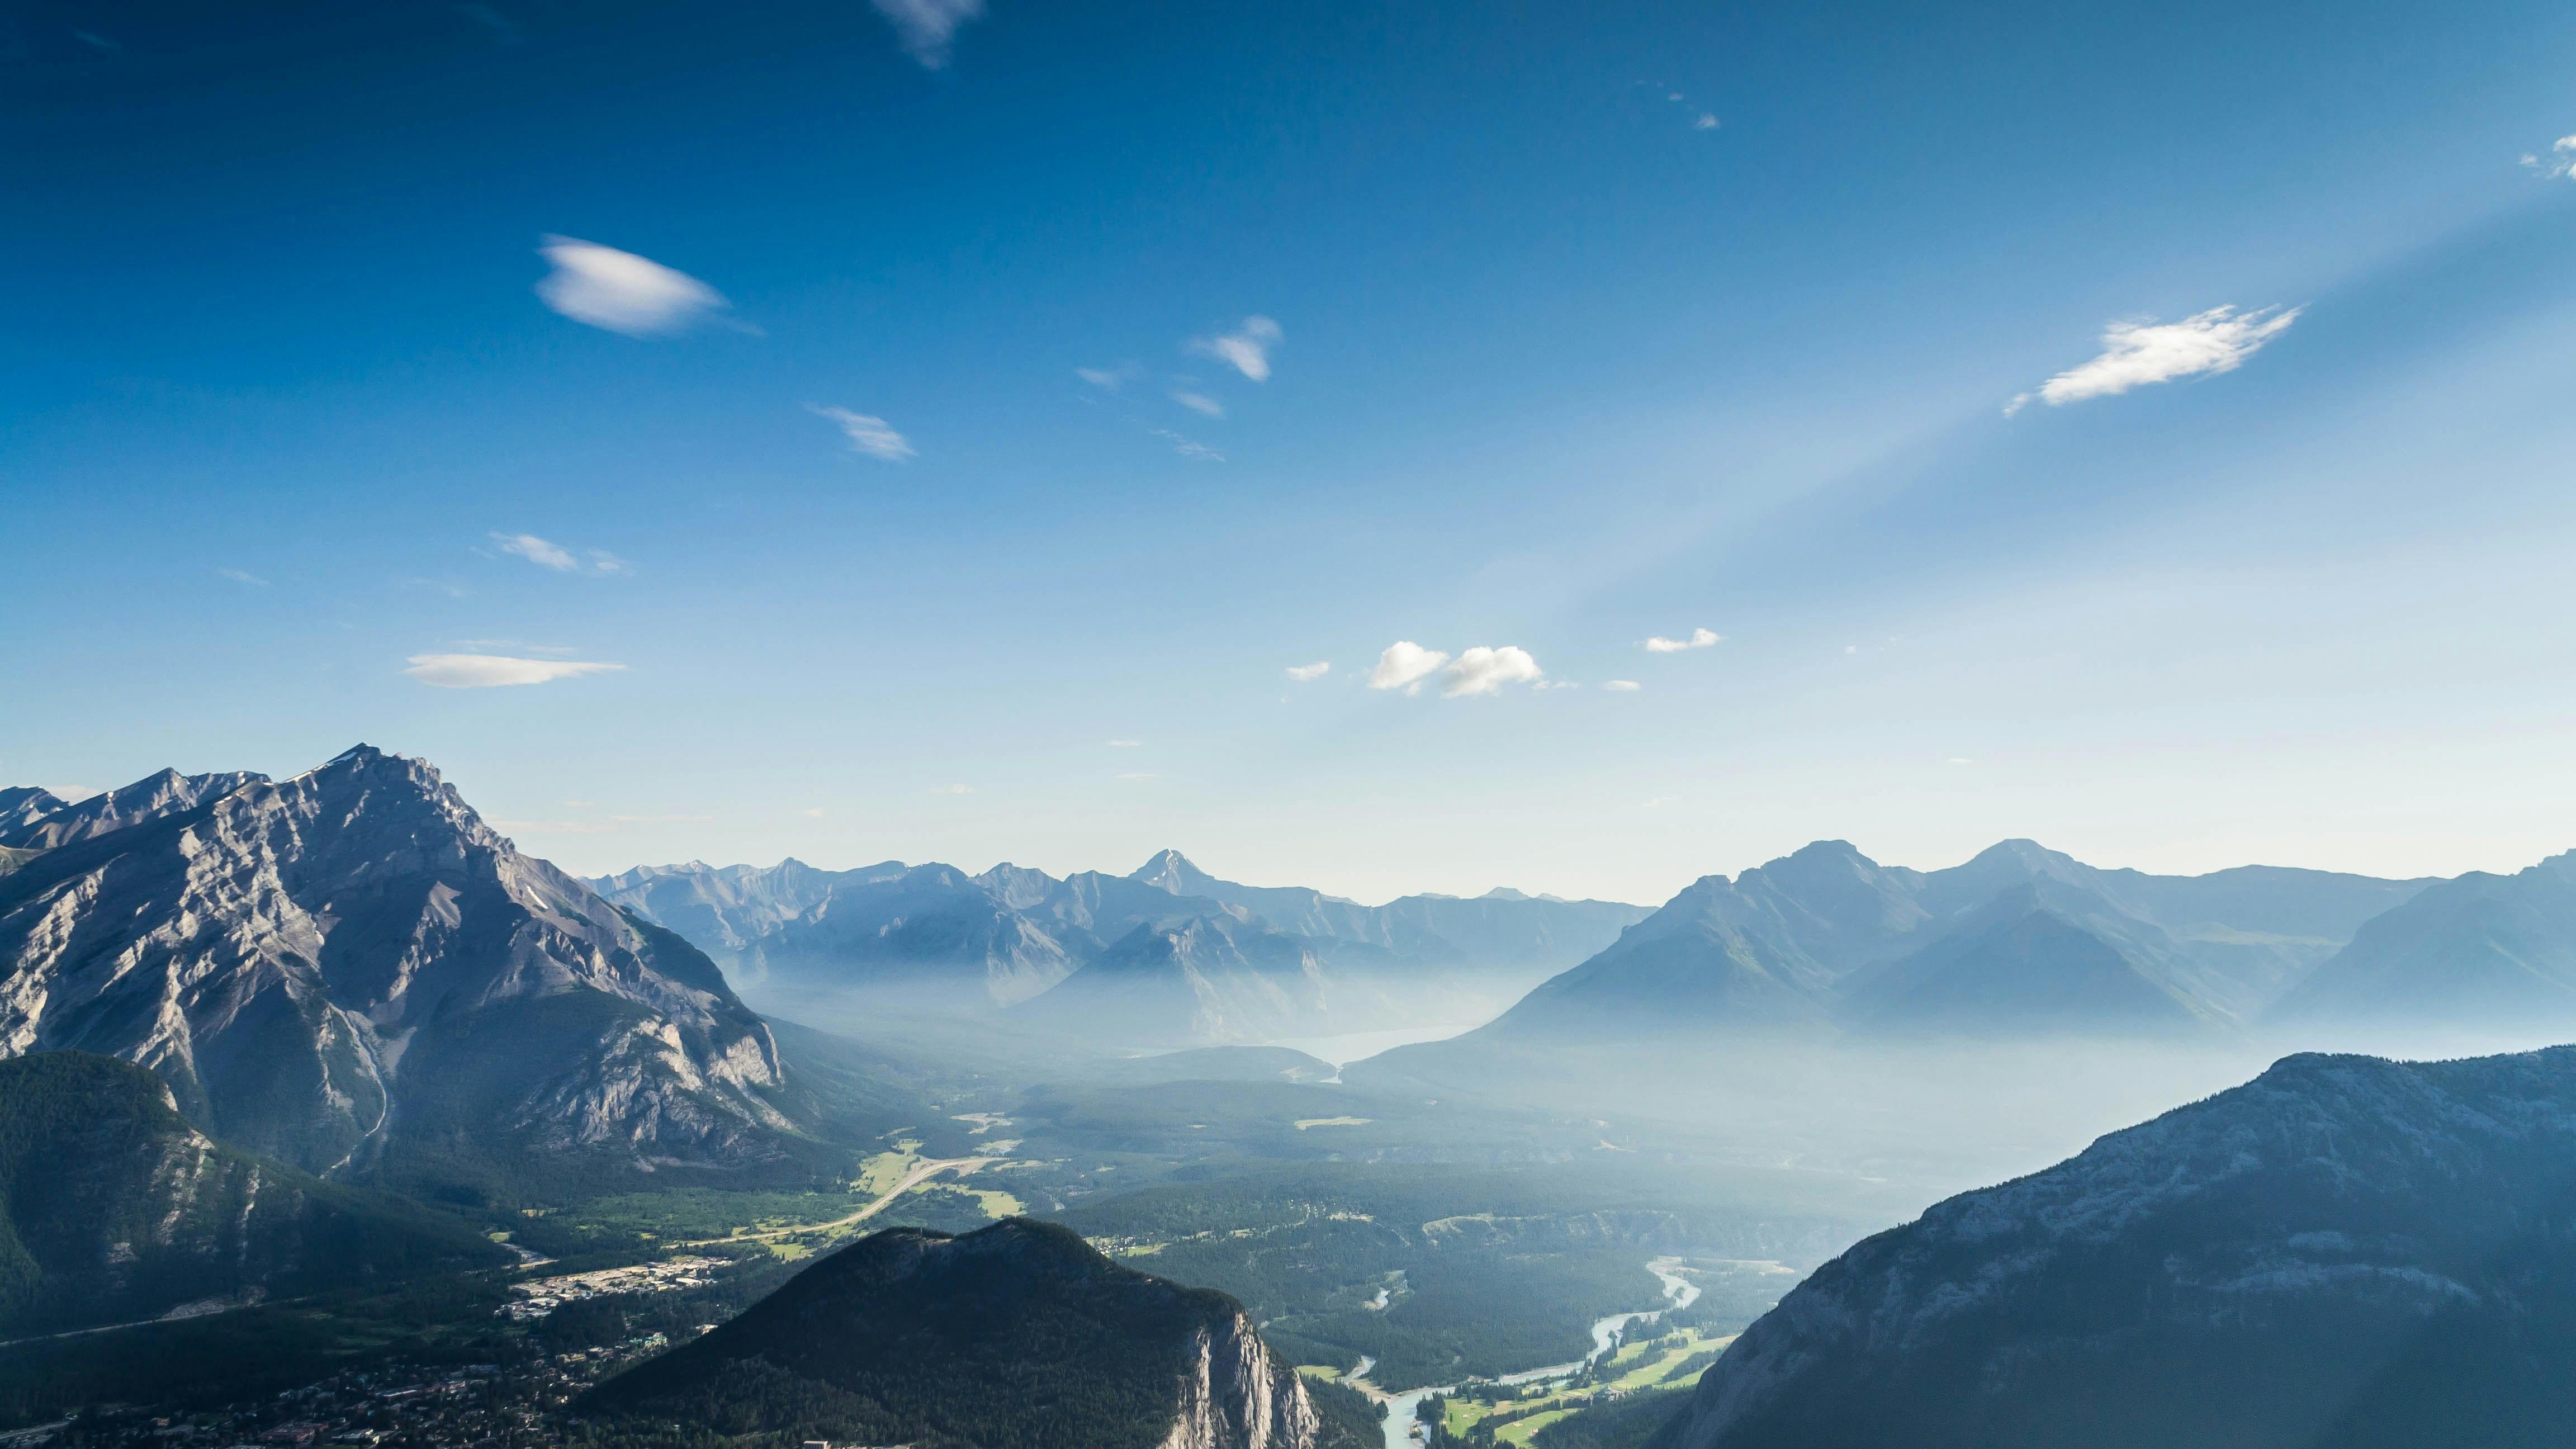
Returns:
(620, 291)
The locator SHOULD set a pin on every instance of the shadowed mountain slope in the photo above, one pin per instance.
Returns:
(2347, 1251)
(114, 1209)
(1019, 1336)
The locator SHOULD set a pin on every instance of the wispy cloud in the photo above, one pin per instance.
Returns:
(240, 577)
(869, 435)
(1657, 802)
(928, 28)
(1188, 447)
(1699, 639)
(1707, 121)
(1485, 671)
(1622, 686)
(1404, 665)
(1961, 760)
(1125, 744)
(1110, 379)
(1246, 349)
(1304, 673)
(620, 291)
(2560, 162)
(2135, 354)
(1140, 775)
(814, 813)
(547, 554)
(950, 790)
(1198, 402)
(489, 671)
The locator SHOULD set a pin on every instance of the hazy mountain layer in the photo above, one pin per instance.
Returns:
(351, 960)
(1015, 1337)
(2348, 1251)
(2481, 951)
(933, 937)
(2019, 939)
(114, 1209)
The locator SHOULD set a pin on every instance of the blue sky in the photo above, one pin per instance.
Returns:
(1576, 331)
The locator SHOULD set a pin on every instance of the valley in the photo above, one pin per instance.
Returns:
(1466, 1231)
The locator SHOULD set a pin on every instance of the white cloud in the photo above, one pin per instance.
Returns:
(1304, 673)
(1624, 686)
(2137, 353)
(1403, 666)
(926, 27)
(1699, 639)
(240, 577)
(488, 671)
(1110, 379)
(1190, 448)
(1125, 744)
(1485, 671)
(1246, 349)
(816, 813)
(951, 790)
(868, 435)
(1556, 684)
(1707, 121)
(1658, 802)
(2560, 162)
(1961, 760)
(508, 646)
(620, 291)
(1199, 402)
(547, 554)
(537, 551)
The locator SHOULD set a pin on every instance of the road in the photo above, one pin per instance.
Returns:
(920, 1173)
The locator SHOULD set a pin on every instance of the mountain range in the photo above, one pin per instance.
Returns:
(350, 965)
(1167, 955)
(2019, 940)
(2347, 1251)
(1017, 1336)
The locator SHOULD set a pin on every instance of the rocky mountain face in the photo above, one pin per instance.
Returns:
(2019, 940)
(2480, 952)
(114, 1209)
(21, 806)
(2347, 1251)
(351, 963)
(165, 793)
(1018, 1334)
(934, 938)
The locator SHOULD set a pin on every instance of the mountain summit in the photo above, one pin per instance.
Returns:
(350, 961)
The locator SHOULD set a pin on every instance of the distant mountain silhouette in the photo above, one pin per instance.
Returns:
(2481, 951)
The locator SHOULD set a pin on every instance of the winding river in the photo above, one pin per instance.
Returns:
(1679, 1292)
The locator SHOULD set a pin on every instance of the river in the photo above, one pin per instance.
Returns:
(1679, 1292)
